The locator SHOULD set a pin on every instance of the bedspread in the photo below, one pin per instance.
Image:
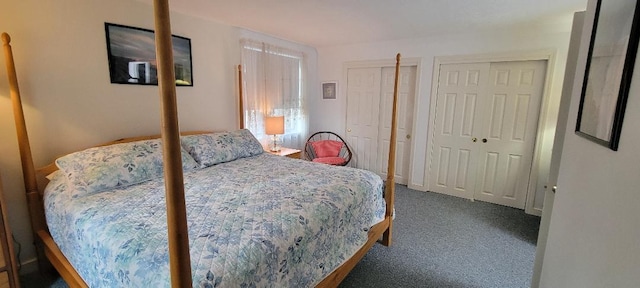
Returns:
(262, 221)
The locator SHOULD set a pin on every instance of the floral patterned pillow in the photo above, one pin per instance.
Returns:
(214, 148)
(103, 168)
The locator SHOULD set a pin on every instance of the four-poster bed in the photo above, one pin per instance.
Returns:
(180, 196)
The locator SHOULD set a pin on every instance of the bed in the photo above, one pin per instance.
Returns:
(304, 225)
(249, 226)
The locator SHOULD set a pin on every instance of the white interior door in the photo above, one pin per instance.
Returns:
(452, 164)
(406, 95)
(509, 128)
(363, 107)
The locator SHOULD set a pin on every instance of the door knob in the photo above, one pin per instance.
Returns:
(348, 130)
(553, 189)
(408, 136)
(474, 139)
(484, 140)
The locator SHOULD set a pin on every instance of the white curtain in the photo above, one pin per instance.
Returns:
(274, 80)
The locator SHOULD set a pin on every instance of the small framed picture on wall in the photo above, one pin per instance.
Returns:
(329, 90)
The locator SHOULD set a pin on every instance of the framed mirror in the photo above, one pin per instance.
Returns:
(612, 54)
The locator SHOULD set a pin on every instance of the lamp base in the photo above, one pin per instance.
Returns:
(274, 146)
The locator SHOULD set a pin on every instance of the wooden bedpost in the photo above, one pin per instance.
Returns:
(390, 187)
(179, 259)
(384, 227)
(241, 98)
(34, 201)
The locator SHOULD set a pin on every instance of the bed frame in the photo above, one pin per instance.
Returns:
(179, 261)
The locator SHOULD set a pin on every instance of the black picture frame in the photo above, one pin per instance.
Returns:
(132, 56)
(610, 62)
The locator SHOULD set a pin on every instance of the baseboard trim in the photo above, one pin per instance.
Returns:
(29, 266)
(417, 187)
(533, 211)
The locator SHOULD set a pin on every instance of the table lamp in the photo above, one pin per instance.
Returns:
(274, 125)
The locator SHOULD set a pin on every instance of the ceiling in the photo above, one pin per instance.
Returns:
(321, 23)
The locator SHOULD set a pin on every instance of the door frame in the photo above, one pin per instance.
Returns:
(404, 62)
(568, 86)
(548, 55)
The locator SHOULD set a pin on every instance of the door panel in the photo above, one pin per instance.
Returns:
(406, 95)
(363, 98)
(453, 161)
(497, 116)
(515, 91)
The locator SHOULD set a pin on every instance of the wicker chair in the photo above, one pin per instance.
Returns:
(328, 148)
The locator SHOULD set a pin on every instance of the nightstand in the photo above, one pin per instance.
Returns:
(8, 267)
(288, 152)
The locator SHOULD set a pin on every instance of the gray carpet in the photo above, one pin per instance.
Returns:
(439, 241)
(444, 241)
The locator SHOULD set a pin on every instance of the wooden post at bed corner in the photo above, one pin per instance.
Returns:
(34, 201)
(384, 227)
(179, 259)
(390, 187)
(240, 98)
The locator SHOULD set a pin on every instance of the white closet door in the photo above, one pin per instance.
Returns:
(485, 129)
(511, 111)
(363, 110)
(406, 93)
(452, 166)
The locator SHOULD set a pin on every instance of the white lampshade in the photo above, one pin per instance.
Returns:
(274, 125)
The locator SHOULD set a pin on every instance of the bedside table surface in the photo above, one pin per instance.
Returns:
(284, 151)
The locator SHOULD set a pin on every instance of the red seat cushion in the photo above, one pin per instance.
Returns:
(330, 160)
(326, 148)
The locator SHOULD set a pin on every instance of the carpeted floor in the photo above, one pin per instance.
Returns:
(444, 241)
(440, 241)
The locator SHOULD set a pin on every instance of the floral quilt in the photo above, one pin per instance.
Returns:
(260, 221)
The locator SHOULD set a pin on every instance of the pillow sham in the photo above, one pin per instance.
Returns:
(326, 148)
(214, 148)
(103, 168)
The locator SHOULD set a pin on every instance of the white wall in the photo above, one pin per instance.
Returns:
(594, 233)
(61, 58)
(330, 114)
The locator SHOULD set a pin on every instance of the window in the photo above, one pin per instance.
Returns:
(274, 86)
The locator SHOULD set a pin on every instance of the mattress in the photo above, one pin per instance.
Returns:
(261, 221)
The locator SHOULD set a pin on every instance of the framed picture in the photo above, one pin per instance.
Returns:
(329, 90)
(132, 56)
(612, 54)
